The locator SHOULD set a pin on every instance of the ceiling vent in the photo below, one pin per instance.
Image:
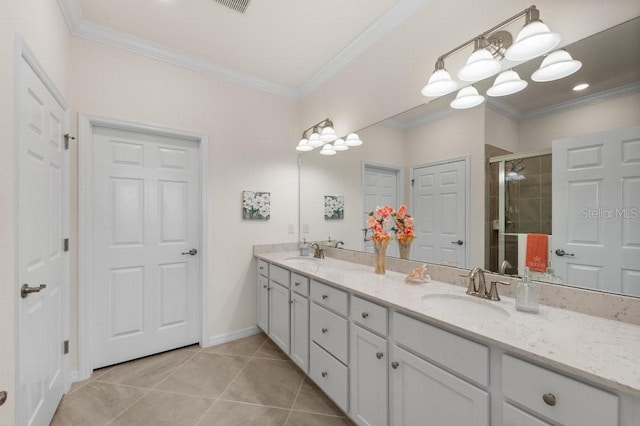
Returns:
(237, 5)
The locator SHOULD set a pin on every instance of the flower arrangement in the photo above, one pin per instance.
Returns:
(403, 225)
(378, 220)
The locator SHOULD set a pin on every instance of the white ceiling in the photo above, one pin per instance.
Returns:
(288, 47)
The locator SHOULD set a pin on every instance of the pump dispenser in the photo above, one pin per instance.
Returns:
(527, 294)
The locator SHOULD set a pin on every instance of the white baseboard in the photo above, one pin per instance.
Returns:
(234, 335)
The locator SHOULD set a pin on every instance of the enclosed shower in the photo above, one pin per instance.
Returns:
(519, 204)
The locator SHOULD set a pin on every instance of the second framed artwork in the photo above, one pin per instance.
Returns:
(333, 207)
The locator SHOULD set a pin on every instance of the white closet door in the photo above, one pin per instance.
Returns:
(596, 188)
(146, 206)
(380, 189)
(440, 209)
(40, 253)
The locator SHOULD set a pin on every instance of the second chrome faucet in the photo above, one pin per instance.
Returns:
(479, 289)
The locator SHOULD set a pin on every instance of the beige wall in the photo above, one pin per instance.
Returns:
(40, 24)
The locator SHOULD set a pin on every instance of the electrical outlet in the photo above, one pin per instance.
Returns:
(290, 228)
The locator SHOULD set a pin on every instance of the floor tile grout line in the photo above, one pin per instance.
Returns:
(206, 412)
(173, 370)
(293, 404)
(148, 391)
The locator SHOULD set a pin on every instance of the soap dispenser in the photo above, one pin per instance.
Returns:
(304, 248)
(527, 294)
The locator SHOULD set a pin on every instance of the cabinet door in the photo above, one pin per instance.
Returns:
(300, 331)
(423, 394)
(263, 303)
(279, 315)
(369, 377)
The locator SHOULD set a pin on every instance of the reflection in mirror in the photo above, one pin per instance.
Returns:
(420, 156)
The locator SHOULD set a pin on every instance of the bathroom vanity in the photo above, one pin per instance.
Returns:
(390, 353)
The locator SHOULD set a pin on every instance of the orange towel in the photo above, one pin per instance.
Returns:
(537, 253)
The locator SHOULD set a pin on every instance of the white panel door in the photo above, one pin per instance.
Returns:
(380, 188)
(41, 260)
(146, 204)
(596, 209)
(439, 210)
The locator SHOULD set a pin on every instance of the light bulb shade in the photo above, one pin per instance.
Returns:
(353, 140)
(479, 66)
(556, 65)
(467, 97)
(439, 84)
(507, 83)
(303, 145)
(533, 40)
(328, 134)
(340, 145)
(328, 150)
(314, 140)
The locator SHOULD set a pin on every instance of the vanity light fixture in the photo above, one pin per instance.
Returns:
(493, 45)
(322, 134)
(556, 65)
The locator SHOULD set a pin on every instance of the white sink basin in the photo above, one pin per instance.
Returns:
(469, 305)
(301, 260)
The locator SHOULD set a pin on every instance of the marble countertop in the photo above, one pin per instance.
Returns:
(599, 350)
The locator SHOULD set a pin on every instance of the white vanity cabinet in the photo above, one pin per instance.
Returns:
(431, 377)
(279, 311)
(300, 321)
(368, 369)
(263, 296)
(329, 351)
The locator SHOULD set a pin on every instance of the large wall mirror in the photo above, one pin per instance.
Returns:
(477, 180)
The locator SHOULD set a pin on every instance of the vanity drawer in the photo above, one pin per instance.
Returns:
(369, 314)
(330, 375)
(512, 416)
(263, 268)
(330, 331)
(279, 275)
(464, 357)
(300, 284)
(576, 403)
(330, 297)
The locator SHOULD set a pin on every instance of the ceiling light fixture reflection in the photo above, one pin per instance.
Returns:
(322, 134)
(556, 65)
(328, 150)
(467, 97)
(507, 83)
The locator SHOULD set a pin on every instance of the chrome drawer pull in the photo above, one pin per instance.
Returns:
(325, 374)
(379, 355)
(395, 365)
(324, 330)
(297, 284)
(365, 314)
(324, 296)
(549, 399)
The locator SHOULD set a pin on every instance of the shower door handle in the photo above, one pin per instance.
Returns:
(459, 242)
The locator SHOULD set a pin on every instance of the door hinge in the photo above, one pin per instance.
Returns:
(65, 347)
(65, 244)
(66, 140)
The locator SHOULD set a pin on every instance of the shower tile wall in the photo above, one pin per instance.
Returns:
(491, 207)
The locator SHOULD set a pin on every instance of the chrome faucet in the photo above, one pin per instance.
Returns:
(504, 266)
(318, 253)
(339, 243)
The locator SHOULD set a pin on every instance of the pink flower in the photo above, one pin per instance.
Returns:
(402, 211)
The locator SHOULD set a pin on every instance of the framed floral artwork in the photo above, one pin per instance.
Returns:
(333, 207)
(256, 205)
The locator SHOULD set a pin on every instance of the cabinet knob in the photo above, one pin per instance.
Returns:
(379, 355)
(549, 399)
(365, 314)
(324, 296)
(395, 365)
(264, 286)
(325, 374)
(324, 330)
(291, 302)
(297, 284)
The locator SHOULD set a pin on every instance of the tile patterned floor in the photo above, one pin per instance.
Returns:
(245, 382)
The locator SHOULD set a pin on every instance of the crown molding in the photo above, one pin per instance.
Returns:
(82, 28)
(504, 108)
(418, 122)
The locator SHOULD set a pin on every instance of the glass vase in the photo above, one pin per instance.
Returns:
(380, 255)
(404, 247)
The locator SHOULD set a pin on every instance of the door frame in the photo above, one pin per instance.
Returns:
(467, 195)
(399, 183)
(86, 123)
(23, 52)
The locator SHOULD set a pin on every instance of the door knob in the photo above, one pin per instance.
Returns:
(192, 252)
(395, 365)
(560, 252)
(459, 242)
(25, 290)
(379, 355)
